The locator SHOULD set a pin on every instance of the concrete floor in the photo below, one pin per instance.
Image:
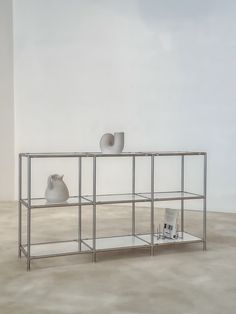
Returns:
(181, 279)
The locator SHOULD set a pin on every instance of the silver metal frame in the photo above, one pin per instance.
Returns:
(94, 200)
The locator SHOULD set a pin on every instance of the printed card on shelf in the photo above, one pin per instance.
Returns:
(170, 223)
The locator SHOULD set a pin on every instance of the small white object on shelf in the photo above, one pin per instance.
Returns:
(112, 144)
(170, 223)
(56, 191)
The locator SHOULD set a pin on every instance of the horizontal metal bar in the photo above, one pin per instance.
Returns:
(51, 242)
(180, 242)
(178, 198)
(115, 236)
(55, 254)
(60, 254)
(49, 205)
(120, 202)
(99, 154)
(123, 248)
(166, 192)
(180, 153)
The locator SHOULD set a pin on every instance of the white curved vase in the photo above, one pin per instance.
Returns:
(112, 144)
(56, 191)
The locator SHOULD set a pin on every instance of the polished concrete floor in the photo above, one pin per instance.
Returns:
(181, 279)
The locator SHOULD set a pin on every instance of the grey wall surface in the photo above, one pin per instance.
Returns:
(161, 71)
(6, 102)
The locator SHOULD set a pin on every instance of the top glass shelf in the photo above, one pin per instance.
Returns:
(99, 154)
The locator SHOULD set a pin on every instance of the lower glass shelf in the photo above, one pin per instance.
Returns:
(116, 242)
(50, 249)
(185, 238)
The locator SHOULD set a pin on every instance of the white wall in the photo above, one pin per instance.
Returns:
(6, 103)
(162, 71)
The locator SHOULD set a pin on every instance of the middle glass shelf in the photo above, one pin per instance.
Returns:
(113, 199)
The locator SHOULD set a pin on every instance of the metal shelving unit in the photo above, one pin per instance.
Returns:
(97, 244)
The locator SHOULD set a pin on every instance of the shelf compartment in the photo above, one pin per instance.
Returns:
(116, 198)
(116, 242)
(42, 203)
(187, 238)
(171, 196)
(51, 249)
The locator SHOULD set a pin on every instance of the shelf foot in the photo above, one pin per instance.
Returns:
(94, 257)
(204, 246)
(28, 265)
(152, 250)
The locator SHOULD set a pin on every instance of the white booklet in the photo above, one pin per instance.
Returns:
(170, 223)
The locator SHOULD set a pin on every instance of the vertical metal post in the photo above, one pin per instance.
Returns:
(152, 205)
(133, 195)
(28, 211)
(182, 201)
(94, 209)
(79, 207)
(205, 202)
(19, 204)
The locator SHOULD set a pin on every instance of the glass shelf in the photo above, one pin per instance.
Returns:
(116, 242)
(42, 203)
(116, 198)
(40, 250)
(50, 249)
(187, 238)
(171, 196)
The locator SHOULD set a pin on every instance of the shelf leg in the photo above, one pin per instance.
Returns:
(19, 206)
(133, 192)
(28, 212)
(19, 229)
(205, 203)
(79, 207)
(152, 205)
(94, 257)
(182, 201)
(94, 209)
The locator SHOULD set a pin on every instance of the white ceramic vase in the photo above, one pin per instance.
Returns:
(56, 191)
(112, 144)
